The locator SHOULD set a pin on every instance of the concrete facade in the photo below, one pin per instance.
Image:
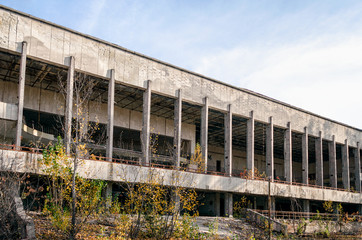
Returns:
(237, 129)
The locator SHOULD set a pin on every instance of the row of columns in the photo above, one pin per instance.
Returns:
(204, 134)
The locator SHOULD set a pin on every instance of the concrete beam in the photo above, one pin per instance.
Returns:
(177, 129)
(204, 130)
(21, 87)
(250, 145)
(332, 163)
(228, 143)
(357, 167)
(69, 105)
(319, 159)
(146, 118)
(270, 149)
(345, 165)
(110, 125)
(288, 165)
(305, 160)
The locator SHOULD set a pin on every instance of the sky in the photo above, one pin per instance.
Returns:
(305, 53)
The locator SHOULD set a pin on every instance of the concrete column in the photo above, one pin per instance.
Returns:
(217, 204)
(108, 194)
(272, 207)
(270, 149)
(204, 130)
(332, 163)
(319, 160)
(228, 151)
(345, 166)
(288, 165)
(69, 106)
(110, 125)
(250, 145)
(305, 170)
(357, 167)
(306, 206)
(177, 129)
(146, 118)
(21, 88)
(228, 204)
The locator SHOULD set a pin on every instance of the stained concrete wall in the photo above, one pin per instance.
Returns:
(29, 162)
(51, 102)
(52, 43)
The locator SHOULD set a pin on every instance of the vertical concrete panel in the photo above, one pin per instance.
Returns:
(177, 127)
(146, 115)
(345, 165)
(131, 70)
(66, 47)
(41, 39)
(112, 59)
(76, 49)
(23, 32)
(110, 123)
(89, 55)
(103, 60)
(32, 98)
(250, 145)
(143, 69)
(332, 163)
(270, 149)
(12, 32)
(305, 159)
(57, 45)
(120, 61)
(288, 154)
(4, 28)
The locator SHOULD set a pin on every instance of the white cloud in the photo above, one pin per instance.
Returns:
(323, 76)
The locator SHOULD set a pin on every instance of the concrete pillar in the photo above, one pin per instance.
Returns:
(345, 166)
(229, 204)
(108, 194)
(360, 209)
(270, 150)
(21, 87)
(332, 163)
(228, 151)
(319, 160)
(146, 118)
(288, 165)
(272, 207)
(110, 125)
(204, 130)
(69, 106)
(306, 206)
(217, 204)
(250, 145)
(357, 167)
(305, 162)
(177, 129)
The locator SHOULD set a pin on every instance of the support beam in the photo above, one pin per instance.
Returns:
(306, 206)
(288, 165)
(345, 166)
(270, 150)
(228, 204)
(204, 130)
(146, 118)
(332, 163)
(110, 125)
(21, 87)
(228, 151)
(319, 160)
(305, 164)
(177, 129)
(357, 167)
(250, 145)
(69, 106)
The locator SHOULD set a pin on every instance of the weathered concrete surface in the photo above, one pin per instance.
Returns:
(28, 162)
(55, 44)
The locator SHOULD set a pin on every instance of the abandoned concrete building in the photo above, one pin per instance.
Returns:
(308, 157)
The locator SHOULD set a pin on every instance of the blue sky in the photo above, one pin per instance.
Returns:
(305, 53)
